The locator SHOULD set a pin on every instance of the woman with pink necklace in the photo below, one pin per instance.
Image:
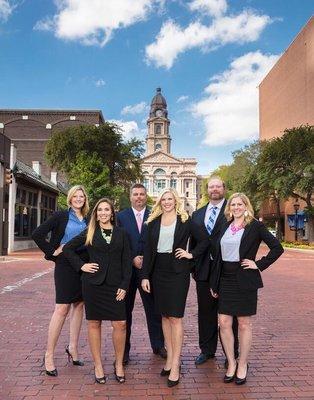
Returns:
(235, 279)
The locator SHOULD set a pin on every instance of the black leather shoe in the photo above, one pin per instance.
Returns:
(201, 358)
(228, 378)
(126, 358)
(161, 351)
(171, 383)
(165, 372)
(241, 381)
(53, 372)
(70, 358)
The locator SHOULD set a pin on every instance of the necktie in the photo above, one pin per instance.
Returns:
(211, 220)
(139, 221)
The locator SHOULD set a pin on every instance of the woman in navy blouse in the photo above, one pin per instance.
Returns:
(63, 226)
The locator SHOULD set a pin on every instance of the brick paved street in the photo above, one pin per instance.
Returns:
(282, 358)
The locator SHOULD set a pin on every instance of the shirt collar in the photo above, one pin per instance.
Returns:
(219, 205)
(142, 212)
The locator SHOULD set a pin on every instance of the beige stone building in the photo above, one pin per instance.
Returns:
(286, 100)
(160, 168)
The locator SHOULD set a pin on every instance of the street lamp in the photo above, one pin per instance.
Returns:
(296, 207)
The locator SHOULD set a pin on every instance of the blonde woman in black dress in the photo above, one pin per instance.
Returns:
(235, 279)
(62, 227)
(105, 280)
(166, 265)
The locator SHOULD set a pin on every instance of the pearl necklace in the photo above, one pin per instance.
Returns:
(234, 229)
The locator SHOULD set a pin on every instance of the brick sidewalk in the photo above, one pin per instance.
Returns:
(281, 362)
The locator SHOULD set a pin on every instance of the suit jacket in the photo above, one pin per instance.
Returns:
(202, 265)
(55, 225)
(115, 265)
(126, 219)
(183, 231)
(249, 279)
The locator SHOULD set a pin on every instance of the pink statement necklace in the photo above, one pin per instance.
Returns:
(234, 229)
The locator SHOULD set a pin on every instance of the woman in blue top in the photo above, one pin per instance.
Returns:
(63, 226)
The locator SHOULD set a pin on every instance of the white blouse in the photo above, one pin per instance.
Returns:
(230, 245)
(166, 236)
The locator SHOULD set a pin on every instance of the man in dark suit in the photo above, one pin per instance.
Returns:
(212, 216)
(132, 220)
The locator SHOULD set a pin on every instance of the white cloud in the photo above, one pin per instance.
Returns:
(230, 107)
(182, 98)
(6, 9)
(93, 22)
(212, 7)
(173, 39)
(129, 128)
(100, 82)
(135, 109)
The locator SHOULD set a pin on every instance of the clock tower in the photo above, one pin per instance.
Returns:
(158, 138)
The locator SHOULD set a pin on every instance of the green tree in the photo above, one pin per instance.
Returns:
(123, 159)
(287, 165)
(98, 158)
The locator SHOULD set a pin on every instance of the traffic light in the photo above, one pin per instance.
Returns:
(8, 176)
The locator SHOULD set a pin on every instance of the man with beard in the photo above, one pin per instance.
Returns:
(132, 220)
(212, 216)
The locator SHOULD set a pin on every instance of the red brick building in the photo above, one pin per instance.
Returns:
(286, 100)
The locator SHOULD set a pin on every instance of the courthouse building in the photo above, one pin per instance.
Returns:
(162, 169)
(286, 100)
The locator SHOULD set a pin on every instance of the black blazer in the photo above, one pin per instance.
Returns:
(56, 224)
(115, 264)
(182, 233)
(254, 234)
(202, 265)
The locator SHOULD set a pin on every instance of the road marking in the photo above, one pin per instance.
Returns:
(18, 284)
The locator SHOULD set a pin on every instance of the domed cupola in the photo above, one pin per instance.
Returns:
(158, 105)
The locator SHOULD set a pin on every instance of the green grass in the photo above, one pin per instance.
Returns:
(298, 245)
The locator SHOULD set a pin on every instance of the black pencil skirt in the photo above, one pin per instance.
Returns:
(101, 304)
(232, 300)
(67, 282)
(170, 289)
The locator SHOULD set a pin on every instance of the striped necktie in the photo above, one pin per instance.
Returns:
(211, 220)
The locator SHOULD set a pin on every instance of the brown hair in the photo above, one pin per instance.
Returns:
(93, 220)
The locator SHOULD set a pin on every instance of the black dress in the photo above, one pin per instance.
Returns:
(68, 287)
(237, 287)
(232, 299)
(170, 276)
(100, 288)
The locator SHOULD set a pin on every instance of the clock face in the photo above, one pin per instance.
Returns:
(159, 113)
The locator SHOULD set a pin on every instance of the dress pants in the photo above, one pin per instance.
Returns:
(153, 319)
(208, 320)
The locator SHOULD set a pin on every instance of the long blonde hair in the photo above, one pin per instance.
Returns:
(72, 192)
(157, 210)
(93, 220)
(250, 212)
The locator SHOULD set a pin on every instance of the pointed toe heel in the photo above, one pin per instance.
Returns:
(70, 358)
(241, 381)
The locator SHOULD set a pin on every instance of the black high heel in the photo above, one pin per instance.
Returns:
(171, 383)
(241, 381)
(54, 372)
(165, 372)
(227, 378)
(70, 358)
(101, 381)
(120, 379)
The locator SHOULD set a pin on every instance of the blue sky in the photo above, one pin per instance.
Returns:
(208, 56)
